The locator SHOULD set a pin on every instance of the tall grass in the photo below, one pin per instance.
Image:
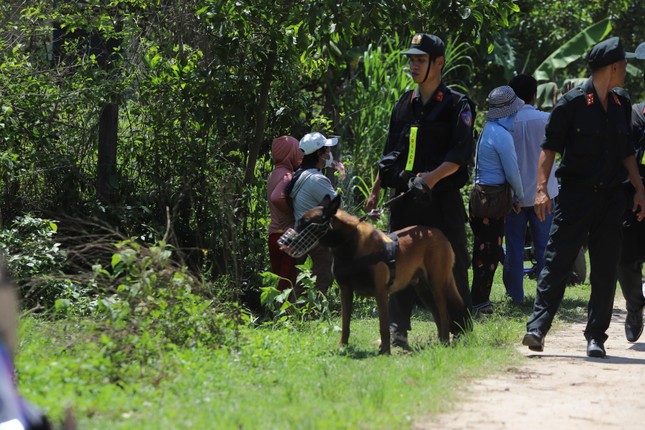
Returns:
(368, 105)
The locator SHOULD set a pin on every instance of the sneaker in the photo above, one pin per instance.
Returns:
(399, 338)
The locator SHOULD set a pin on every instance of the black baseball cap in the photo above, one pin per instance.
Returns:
(605, 53)
(426, 44)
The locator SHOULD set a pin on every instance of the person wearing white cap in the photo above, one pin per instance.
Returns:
(495, 164)
(590, 127)
(307, 189)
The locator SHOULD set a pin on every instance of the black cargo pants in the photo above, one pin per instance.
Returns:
(582, 212)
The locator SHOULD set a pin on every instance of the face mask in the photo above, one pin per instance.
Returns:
(330, 161)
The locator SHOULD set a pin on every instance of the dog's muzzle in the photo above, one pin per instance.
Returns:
(297, 244)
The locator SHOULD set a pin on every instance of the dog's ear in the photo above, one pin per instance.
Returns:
(325, 201)
(336, 203)
(331, 206)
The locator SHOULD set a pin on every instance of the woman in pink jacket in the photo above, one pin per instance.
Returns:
(287, 156)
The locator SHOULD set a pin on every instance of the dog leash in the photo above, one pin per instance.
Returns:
(376, 213)
(395, 198)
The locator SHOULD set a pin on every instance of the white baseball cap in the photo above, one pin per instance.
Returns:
(312, 142)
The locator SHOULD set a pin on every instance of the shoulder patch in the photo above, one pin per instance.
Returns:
(467, 117)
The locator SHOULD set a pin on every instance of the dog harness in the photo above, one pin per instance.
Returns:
(390, 256)
(387, 255)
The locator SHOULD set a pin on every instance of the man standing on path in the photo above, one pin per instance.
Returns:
(590, 126)
(528, 134)
(431, 128)
(633, 252)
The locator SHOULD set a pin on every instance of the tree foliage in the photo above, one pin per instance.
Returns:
(543, 27)
(200, 88)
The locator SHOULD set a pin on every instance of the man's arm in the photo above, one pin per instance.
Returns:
(394, 131)
(375, 193)
(445, 169)
(542, 204)
(635, 179)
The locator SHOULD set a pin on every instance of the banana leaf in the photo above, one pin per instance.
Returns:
(547, 95)
(572, 50)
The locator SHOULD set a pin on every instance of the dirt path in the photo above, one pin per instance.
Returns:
(560, 388)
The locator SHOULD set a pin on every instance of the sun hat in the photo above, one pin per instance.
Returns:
(312, 142)
(502, 102)
(426, 44)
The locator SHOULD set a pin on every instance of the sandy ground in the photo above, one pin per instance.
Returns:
(560, 388)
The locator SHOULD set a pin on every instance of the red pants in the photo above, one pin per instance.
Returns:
(282, 264)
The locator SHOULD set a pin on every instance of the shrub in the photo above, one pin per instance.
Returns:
(34, 258)
(149, 304)
(311, 304)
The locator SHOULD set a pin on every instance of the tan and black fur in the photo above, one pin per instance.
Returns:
(424, 259)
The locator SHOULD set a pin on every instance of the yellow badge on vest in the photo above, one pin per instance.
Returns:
(409, 165)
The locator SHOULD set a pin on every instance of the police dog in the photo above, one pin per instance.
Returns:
(423, 258)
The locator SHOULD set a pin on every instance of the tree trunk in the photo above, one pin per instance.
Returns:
(106, 168)
(261, 119)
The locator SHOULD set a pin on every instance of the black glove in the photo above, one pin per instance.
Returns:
(402, 181)
(421, 191)
(418, 186)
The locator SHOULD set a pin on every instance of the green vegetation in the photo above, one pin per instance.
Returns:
(134, 149)
(276, 375)
(155, 118)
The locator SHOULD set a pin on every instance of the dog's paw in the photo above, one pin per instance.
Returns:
(384, 351)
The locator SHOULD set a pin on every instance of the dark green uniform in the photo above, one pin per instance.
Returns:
(633, 251)
(593, 144)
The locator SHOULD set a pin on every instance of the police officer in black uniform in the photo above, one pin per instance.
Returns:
(431, 131)
(633, 251)
(590, 127)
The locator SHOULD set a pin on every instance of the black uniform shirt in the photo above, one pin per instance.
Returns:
(444, 130)
(638, 135)
(593, 143)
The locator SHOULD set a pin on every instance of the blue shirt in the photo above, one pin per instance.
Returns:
(496, 160)
(528, 134)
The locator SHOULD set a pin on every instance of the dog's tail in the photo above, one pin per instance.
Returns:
(460, 316)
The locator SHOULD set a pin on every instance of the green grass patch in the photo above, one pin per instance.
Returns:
(274, 377)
